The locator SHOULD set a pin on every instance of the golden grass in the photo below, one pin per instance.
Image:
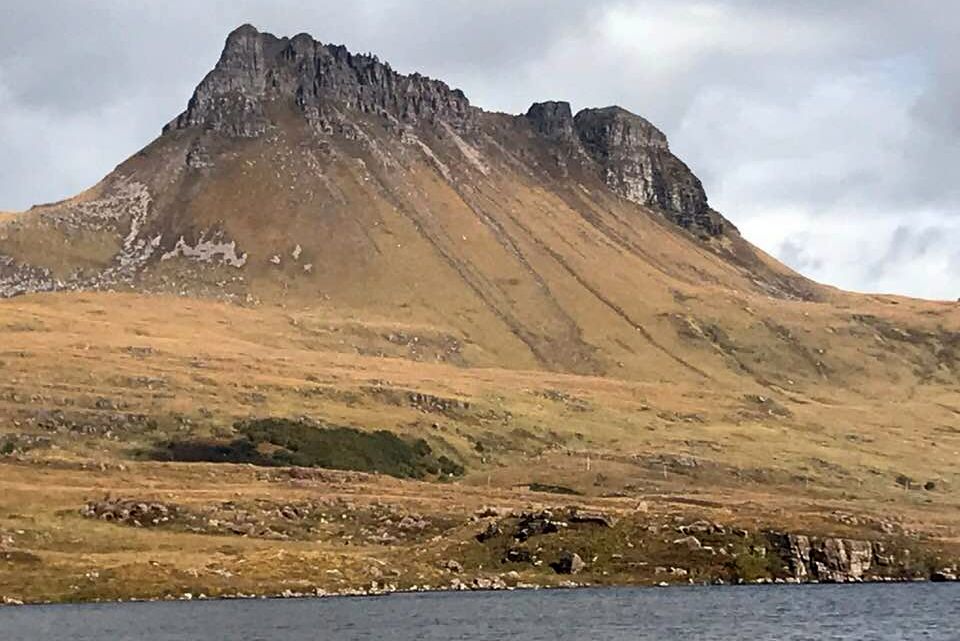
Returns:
(598, 348)
(195, 366)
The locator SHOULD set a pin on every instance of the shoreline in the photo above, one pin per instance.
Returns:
(361, 593)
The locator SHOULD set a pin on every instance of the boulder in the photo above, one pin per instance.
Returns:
(568, 563)
(491, 531)
(689, 542)
(592, 518)
(536, 523)
(943, 576)
(518, 555)
(453, 566)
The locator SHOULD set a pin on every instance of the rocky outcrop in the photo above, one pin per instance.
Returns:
(127, 512)
(552, 119)
(832, 560)
(123, 212)
(636, 163)
(631, 156)
(322, 80)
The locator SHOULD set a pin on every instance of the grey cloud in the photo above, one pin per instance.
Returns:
(793, 252)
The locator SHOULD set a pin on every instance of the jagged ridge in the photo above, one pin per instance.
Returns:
(631, 155)
(323, 79)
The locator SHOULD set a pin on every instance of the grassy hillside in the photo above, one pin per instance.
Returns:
(91, 381)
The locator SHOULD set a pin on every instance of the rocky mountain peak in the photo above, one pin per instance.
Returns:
(329, 86)
(636, 162)
(611, 128)
(553, 119)
(632, 157)
(322, 80)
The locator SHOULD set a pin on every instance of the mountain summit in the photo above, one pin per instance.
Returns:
(327, 82)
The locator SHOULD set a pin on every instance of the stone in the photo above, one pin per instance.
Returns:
(593, 518)
(536, 523)
(491, 531)
(943, 575)
(482, 583)
(568, 563)
(453, 566)
(689, 542)
(518, 555)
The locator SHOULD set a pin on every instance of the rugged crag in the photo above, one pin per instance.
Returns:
(256, 68)
(630, 154)
(633, 158)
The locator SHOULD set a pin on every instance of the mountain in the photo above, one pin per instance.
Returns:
(300, 171)
(319, 237)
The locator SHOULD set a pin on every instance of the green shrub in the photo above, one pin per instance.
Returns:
(285, 442)
(553, 489)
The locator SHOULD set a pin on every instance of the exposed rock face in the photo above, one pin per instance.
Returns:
(831, 559)
(256, 68)
(552, 119)
(637, 164)
(124, 212)
(633, 158)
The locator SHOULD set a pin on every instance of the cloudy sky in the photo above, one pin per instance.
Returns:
(827, 130)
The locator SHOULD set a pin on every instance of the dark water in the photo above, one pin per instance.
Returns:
(778, 613)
